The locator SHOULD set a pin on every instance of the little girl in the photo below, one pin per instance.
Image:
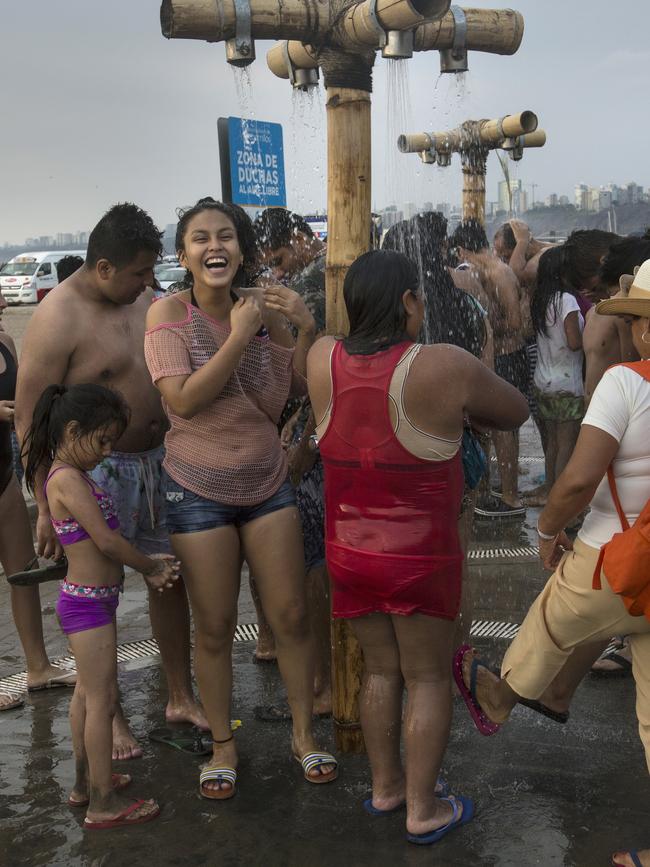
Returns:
(74, 429)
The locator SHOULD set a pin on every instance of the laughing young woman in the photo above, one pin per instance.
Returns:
(225, 362)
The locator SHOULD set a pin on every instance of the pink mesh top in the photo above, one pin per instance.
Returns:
(229, 452)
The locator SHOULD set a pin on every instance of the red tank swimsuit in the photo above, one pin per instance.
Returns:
(390, 517)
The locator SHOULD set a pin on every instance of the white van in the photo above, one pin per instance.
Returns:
(26, 279)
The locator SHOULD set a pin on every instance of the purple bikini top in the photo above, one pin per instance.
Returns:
(69, 530)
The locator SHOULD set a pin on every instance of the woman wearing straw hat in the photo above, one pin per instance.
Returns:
(569, 617)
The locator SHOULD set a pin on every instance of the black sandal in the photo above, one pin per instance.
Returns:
(31, 576)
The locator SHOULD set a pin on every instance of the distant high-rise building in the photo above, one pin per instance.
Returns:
(427, 206)
(512, 197)
(81, 238)
(409, 210)
(64, 239)
(552, 200)
(564, 200)
(582, 197)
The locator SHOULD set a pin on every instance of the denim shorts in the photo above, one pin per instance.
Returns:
(188, 512)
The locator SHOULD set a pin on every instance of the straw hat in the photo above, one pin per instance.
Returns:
(634, 298)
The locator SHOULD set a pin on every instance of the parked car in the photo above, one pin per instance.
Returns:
(167, 276)
(27, 278)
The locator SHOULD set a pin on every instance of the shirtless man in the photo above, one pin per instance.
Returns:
(606, 339)
(90, 328)
(510, 359)
(514, 244)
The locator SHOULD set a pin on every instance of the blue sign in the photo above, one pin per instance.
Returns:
(256, 163)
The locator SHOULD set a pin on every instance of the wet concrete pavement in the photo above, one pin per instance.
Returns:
(545, 794)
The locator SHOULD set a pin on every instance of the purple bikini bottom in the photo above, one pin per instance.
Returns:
(80, 608)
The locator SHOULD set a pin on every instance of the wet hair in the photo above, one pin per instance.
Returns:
(507, 235)
(67, 266)
(450, 314)
(92, 407)
(243, 228)
(470, 235)
(399, 239)
(121, 234)
(583, 251)
(430, 225)
(550, 284)
(622, 258)
(277, 227)
(373, 290)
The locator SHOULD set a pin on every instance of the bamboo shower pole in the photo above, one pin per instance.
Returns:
(348, 235)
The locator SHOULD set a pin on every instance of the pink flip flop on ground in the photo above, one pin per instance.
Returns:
(481, 721)
(124, 818)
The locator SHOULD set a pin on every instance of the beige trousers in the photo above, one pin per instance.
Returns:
(569, 613)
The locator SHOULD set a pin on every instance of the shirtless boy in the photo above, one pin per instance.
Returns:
(90, 328)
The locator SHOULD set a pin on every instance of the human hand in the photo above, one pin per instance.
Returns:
(301, 459)
(521, 231)
(164, 572)
(7, 411)
(245, 318)
(47, 544)
(291, 305)
(287, 434)
(551, 551)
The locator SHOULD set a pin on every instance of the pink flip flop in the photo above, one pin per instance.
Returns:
(481, 721)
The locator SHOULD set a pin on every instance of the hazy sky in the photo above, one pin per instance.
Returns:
(98, 107)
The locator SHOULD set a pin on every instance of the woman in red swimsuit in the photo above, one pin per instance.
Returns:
(391, 417)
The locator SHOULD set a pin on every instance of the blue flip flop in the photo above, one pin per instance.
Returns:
(442, 792)
(455, 822)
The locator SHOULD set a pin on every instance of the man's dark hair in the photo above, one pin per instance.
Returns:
(430, 227)
(67, 266)
(121, 234)
(399, 239)
(470, 235)
(509, 240)
(582, 253)
(622, 258)
(277, 227)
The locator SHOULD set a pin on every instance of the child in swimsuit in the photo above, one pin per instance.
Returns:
(75, 428)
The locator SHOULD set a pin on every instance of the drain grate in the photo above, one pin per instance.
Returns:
(17, 683)
(490, 629)
(125, 653)
(524, 460)
(499, 553)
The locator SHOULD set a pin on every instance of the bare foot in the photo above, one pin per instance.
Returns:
(622, 859)
(223, 756)
(116, 806)
(125, 745)
(442, 816)
(52, 676)
(187, 712)
(9, 701)
(265, 648)
(485, 693)
(81, 792)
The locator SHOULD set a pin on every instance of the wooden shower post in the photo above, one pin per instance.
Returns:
(348, 193)
(474, 192)
(348, 235)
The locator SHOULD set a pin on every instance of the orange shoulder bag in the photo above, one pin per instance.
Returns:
(625, 559)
